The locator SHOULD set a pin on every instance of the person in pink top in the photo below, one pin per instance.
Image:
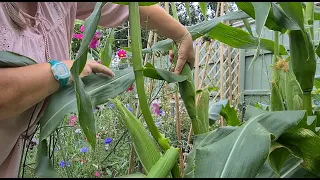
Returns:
(42, 31)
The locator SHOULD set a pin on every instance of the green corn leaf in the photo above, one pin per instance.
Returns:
(145, 147)
(44, 168)
(240, 153)
(187, 4)
(238, 38)
(316, 13)
(270, 23)
(294, 11)
(203, 7)
(140, 3)
(163, 166)
(197, 31)
(86, 118)
(174, 11)
(150, 71)
(106, 54)
(277, 157)
(247, 26)
(276, 98)
(99, 88)
(305, 144)
(10, 59)
(228, 113)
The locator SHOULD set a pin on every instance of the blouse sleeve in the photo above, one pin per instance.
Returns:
(112, 15)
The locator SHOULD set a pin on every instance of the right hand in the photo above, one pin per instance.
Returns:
(91, 66)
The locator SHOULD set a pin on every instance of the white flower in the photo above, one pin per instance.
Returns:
(78, 131)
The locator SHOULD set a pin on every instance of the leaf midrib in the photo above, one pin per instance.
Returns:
(76, 98)
(236, 142)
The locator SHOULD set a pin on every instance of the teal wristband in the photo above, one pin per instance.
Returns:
(60, 72)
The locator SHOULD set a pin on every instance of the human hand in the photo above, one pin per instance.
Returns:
(185, 53)
(91, 66)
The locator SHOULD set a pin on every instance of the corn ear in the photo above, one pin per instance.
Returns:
(203, 110)
(162, 168)
(144, 145)
(188, 94)
(276, 99)
(293, 92)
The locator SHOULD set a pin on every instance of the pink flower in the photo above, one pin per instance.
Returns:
(72, 120)
(97, 35)
(77, 36)
(96, 174)
(82, 28)
(122, 53)
(94, 43)
(98, 135)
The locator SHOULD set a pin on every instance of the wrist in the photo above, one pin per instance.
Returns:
(60, 72)
(186, 36)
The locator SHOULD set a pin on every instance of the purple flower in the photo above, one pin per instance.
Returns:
(158, 124)
(56, 149)
(156, 108)
(110, 104)
(35, 140)
(129, 108)
(107, 141)
(162, 113)
(64, 164)
(84, 150)
(94, 110)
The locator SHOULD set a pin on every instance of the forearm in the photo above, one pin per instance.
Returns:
(23, 87)
(155, 17)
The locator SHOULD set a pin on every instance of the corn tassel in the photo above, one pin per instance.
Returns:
(144, 145)
(162, 168)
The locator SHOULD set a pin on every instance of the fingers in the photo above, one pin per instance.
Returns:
(99, 68)
(180, 63)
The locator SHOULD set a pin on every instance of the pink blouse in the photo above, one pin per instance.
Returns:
(49, 38)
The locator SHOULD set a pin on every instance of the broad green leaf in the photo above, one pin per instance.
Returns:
(86, 117)
(261, 13)
(262, 106)
(305, 144)
(270, 23)
(44, 168)
(238, 38)
(277, 157)
(99, 88)
(230, 115)
(244, 151)
(11, 59)
(203, 110)
(282, 18)
(140, 3)
(203, 140)
(318, 50)
(316, 13)
(197, 30)
(203, 7)
(290, 169)
(317, 113)
(174, 11)
(150, 71)
(215, 109)
(294, 12)
(144, 145)
(106, 54)
(247, 26)
(187, 4)
(134, 175)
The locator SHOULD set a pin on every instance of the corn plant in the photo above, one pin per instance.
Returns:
(268, 144)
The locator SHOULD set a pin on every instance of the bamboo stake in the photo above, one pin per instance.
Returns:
(221, 67)
(178, 126)
(206, 65)
(148, 46)
(238, 76)
(196, 72)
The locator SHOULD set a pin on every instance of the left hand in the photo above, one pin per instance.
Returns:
(185, 53)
